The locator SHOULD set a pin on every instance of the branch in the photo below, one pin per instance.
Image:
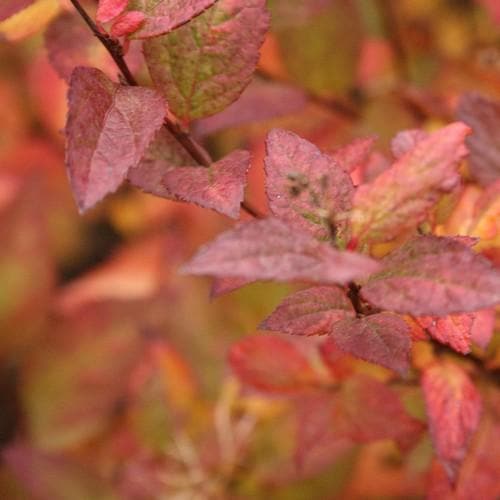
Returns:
(115, 50)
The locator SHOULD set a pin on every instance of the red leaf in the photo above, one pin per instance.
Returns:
(108, 130)
(454, 330)
(382, 338)
(271, 250)
(10, 7)
(164, 16)
(483, 327)
(483, 116)
(406, 140)
(400, 197)
(271, 364)
(310, 312)
(493, 8)
(107, 10)
(369, 410)
(454, 407)
(305, 187)
(339, 363)
(434, 276)
(128, 23)
(219, 187)
(355, 154)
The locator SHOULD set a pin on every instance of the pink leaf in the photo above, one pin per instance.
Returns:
(454, 330)
(128, 23)
(310, 312)
(406, 140)
(204, 66)
(382, 338)
(107, 10)
(269, 249)
(355, 154)
(400, 197)
(305, 187)
(221, 286)
(220, 187)
(163, 16)
(454, 407)
(108, 130)
(271, 364)
(483, 116)
(434, 276)
(483, 327)
(10, 7)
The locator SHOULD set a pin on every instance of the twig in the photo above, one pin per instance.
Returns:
(115, 50)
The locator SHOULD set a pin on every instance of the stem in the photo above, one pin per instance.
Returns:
(115, 50)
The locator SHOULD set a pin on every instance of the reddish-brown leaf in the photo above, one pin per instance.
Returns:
(310, 312)
(434, 276)
(10, 7)
(163, 16)
(108, 130)
(269, 249)
(220, 187)
(483, 116)
(400, 197)
(382, 338)
(305, 187)
(107, 10)
(271, 364)
(453, 407)
(204, 66)
(454, 330)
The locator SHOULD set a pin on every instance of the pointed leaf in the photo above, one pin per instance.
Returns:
(355, 154)
(269, 249)
(483, 116)
(10, 7)
(304, 186)
(454, 407)
(164, 16)
(454, 330)
(382, 338)
(204, 66)
(400, 197)
(434, 276)
(108, 130)
(107, 10)
(310, 312)
(127, 23)
(271, 364)
(220, 187)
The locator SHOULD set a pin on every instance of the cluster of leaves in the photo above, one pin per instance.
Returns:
(396, 251)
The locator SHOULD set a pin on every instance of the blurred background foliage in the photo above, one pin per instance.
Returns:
(113, 382)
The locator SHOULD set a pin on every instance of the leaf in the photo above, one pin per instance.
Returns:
(11, 7)
(483, 327)
(369, 410)
(453, 407)
(483, 116)
(127, 23)
(163, 154)
(382, 338)
(108, 130)
(433, 276)
(163, 16)
(305, 187)
(310, 312)
(266, 250)
(454, 330)
(221, 286)
(400, 197)
(107, 10)
(271, 364)
(406, 140)
(355, 154)
(204, 66)
(220, 187)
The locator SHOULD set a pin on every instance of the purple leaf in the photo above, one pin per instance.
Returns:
(310, 312)
(269, 249)
(108, 130)
(433, 276)
(382, 338)
(204, 66)
(483, 116)
(219, 187)
(406, 140)
(305, 187)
